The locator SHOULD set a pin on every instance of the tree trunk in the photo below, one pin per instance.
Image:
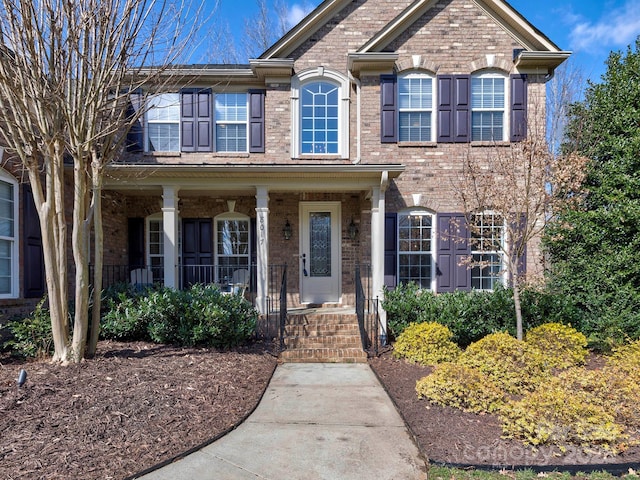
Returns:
(97, 260)
(80, 246)
(516, 302)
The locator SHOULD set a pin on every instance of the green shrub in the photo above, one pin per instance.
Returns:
(557, 415)
(510, 363)
(461, 387)
(426, 343)
(403, 305)
(31, 336)
(201, 315)
(562, 345)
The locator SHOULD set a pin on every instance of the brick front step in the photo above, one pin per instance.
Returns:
(324, 355)
(323, 337)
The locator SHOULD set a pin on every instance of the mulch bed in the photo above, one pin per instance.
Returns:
(449, 436)
(134, 406)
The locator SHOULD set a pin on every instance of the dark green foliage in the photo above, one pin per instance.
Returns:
(31, 336)
(594, 247)
(473, 315)
(201, 315)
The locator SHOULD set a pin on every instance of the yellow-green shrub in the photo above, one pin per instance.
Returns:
(562, 345)
(426, 343)
(622, 395)
(557, 415)
(627, 358)
(458, 386)
(510, 363)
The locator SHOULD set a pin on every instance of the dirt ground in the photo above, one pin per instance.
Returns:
(450, 436)
(137, 405)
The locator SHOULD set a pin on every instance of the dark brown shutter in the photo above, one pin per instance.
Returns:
(34, 274)
(518, 107)
(388, 109)
(390, 250)
(454, 108)
(196, 120)
(135, 135)
(453, 246)
(256, 121)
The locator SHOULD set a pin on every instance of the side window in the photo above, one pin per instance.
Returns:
(163, 123)
(232, 246)
(8, 237)
(415, 248)
(488, 93)
(155, 246)
(487, 247)
(231, 111)
(415, 108)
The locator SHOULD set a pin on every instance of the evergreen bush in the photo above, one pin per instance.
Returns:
(31, 336)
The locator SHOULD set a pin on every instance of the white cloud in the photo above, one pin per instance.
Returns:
(297, 12)
(617, 28)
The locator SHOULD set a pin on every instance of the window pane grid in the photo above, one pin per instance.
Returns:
(232, 246)
(415, 249)
(319, 116)
(231, 122)
(163, 122)
(415, 106)
(486, 248)
(488, 106)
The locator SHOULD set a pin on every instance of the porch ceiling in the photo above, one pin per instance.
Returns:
(245, 178)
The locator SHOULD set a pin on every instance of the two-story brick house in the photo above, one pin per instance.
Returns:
(339, 145)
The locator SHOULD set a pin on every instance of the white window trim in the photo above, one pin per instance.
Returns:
(434, 93)
(506, 120)
(231, 216)
(15, 246)
(320, 74)
(231, 122)
(504, 275)
(421, 212)
(145, 128)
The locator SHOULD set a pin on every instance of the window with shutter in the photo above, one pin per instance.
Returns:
(231, 122)
(488, 107)
(415, 248)
(415, 108)
(8, 236)
(163, 123)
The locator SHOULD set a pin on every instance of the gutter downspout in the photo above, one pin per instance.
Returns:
(358, 85)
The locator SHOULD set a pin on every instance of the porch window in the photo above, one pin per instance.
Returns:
(232, 245)
(155, 246)
(231, 122)
(8, 237)
(487, 246)
(163, 123)
(415, 248)
(488, 107)
(415, 108)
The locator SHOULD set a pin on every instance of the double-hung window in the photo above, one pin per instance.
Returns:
(232, 245)
(488, 93)
(163, 123)
(415, 248)
(319, 118)
(231, 111)
(487, 247)
(8, 240)
(415, 108)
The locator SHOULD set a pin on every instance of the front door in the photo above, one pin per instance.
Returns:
(197, 251)
(320, 271)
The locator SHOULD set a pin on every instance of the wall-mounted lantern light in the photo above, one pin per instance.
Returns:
(353, 230)
(286, 230)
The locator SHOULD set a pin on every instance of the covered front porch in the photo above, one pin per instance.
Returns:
(243, 226)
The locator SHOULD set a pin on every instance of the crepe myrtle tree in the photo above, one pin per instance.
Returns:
(66, 70)
(516, 184)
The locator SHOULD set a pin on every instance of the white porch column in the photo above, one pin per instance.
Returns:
(377, 250)
(262, 255)
(170, 230)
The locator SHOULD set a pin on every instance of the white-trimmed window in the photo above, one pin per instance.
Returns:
(415, 108)
(232, 244)
(155, 245)
(488, 107)
(8, 237)
(320, 113)
(163, 123)
(231, 114)
(487, 247)
(415, 248)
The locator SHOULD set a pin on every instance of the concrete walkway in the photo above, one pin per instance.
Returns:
(315, 421)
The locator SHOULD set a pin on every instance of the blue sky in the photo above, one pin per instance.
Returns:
(589, 28)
